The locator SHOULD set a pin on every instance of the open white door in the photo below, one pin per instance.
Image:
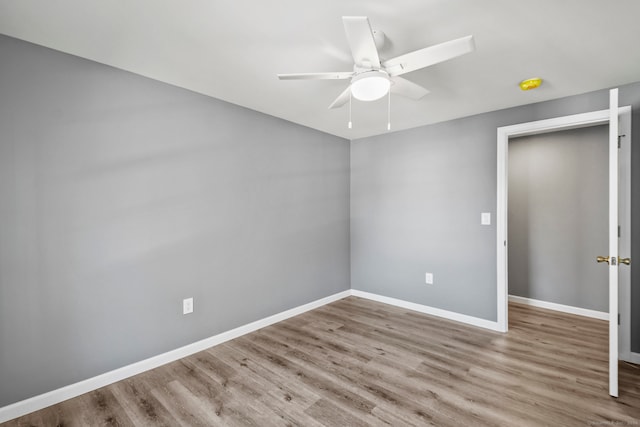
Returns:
(624, 233)
(613, 242)
(619, 236)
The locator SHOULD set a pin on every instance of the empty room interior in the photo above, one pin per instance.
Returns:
(332, 214)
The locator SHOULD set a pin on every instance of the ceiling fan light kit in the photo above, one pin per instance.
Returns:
(370, 85)
(373, 78)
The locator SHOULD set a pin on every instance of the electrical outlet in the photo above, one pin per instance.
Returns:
(187, 306)
(428, 278)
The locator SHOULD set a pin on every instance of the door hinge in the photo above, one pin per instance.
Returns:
(618, 318)
(618, 231)
(620, 136)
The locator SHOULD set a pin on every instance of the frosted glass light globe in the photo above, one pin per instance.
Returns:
(370, 85)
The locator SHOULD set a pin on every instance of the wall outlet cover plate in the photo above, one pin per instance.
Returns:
(485, 218)
(187, 306)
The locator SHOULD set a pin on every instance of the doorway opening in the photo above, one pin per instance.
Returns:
(558, 220)
(552, 125)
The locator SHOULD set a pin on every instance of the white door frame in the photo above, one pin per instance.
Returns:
(544, 126)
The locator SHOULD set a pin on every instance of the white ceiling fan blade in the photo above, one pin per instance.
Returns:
(340, 75)
(428, 56)
(404, 87)
(342, 99)
(361, 41)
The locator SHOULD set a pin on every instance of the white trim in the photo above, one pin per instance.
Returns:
(602, 315)
(463, 318)
(501, 231)
(41, 401)
(503, 134)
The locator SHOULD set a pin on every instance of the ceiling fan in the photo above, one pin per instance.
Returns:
(372, 78)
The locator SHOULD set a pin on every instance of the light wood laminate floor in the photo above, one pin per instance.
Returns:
(356, 362)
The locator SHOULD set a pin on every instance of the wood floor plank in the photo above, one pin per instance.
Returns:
(141, 407)
(343, 394)
(286, 402)
(333, 415)
(375, 387)
(356, 362)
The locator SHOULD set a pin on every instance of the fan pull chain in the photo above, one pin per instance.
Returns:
(350, 110)
(389, 112)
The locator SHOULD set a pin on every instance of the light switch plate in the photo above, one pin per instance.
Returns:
(428, 278)
(187, 306)
(485, 218)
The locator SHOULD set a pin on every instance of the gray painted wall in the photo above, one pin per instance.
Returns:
(120, 196)
(559, 217)
(416, 199)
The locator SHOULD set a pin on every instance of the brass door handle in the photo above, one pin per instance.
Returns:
(602, 259)
(626, 261)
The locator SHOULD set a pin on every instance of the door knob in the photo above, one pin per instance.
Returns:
(624, 261)
(602, 259)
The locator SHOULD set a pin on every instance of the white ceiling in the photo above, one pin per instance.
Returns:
(233, 49)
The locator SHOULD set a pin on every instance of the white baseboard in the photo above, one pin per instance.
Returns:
(560, 307)
(463, 318)
(41, 401)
